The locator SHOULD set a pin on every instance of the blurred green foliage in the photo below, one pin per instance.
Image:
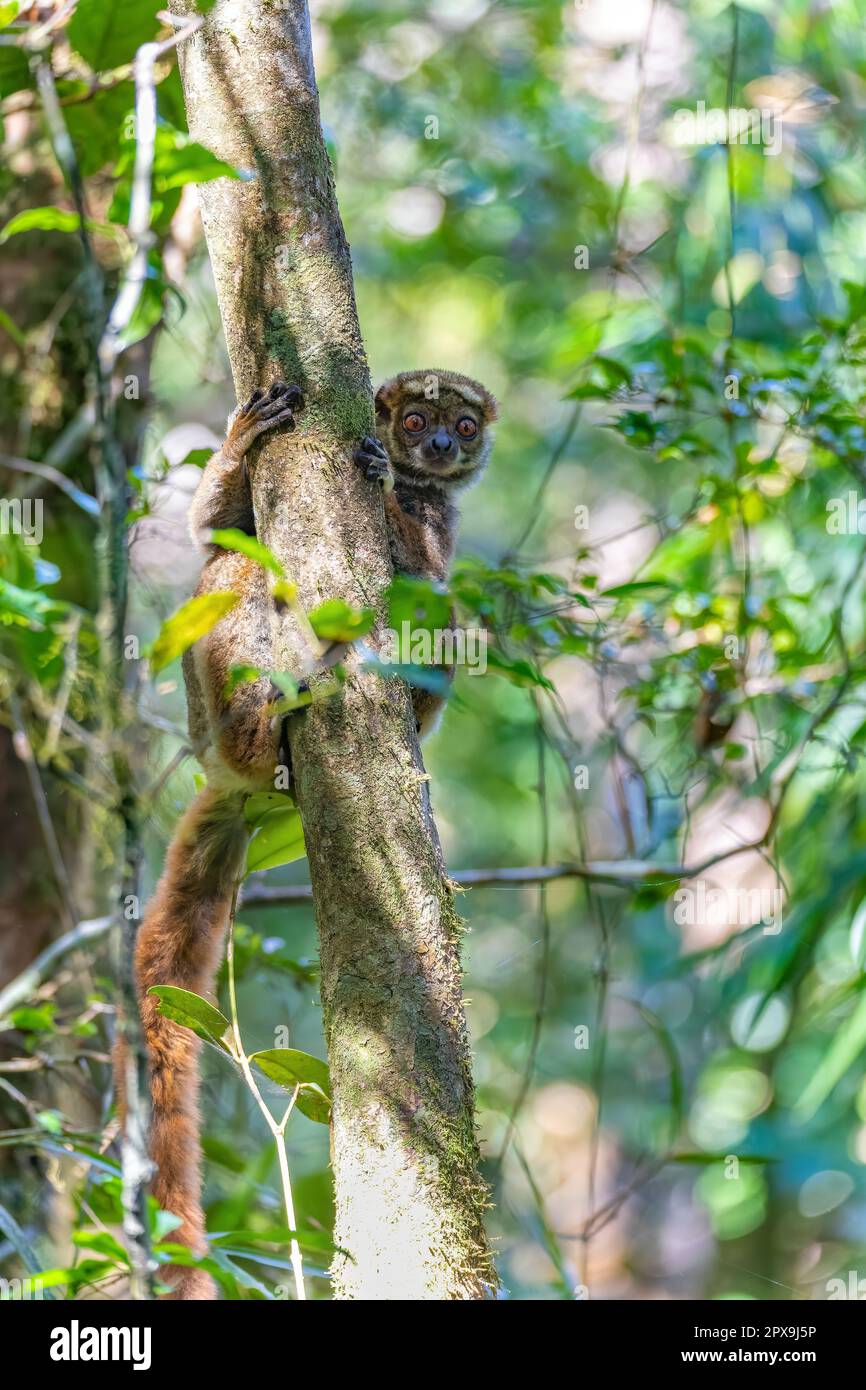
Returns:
(667, 558)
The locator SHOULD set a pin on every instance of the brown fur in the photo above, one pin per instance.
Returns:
(421, 515)
(237, 739)
(236, 736)
(180, 943)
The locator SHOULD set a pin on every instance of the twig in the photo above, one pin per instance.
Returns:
(278, 1130)
(25, 753)
(52, 475)
(544, 963)
(23, 985)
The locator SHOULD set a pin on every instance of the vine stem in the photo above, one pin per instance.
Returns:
(278, 1129)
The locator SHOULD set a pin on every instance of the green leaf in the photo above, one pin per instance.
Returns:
(277, 1235)
(169, 98)
(107, 35)
(29, 605)
(199, 457)
(170, 1252)
(191, 621)
(15, 74)
(51, 219)
(185, 161)
(259, 804)
(706, 1160)
(844, 1050)
(639, 586)
(290, 1068)
(103, 1243)
(231, 539)
(193, 1012)
(82, 1275)
(284, 591)
(419, 603)
(97, 122)
(12, 329)
(37, 1018)
(518, 671)
(177, 160)
(150, 305)
(9, 11)
(50, 1120)
(291, 695)
(337, 621)
(240, 675)
(242, 1276)
(278, 839)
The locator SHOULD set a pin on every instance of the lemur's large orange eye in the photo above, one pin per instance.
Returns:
(467, 428)
(414, 422)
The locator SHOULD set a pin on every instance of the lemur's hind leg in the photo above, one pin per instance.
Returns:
(243, 724)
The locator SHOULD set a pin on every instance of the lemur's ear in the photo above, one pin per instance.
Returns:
(386, 398)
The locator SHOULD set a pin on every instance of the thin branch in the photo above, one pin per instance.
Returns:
(545, 937)
(278, 1130)
(52, 475)
(25, 752)
(23, 986)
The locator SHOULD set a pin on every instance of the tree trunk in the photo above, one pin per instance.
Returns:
(408, 1197)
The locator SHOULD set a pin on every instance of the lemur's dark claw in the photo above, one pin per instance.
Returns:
(372, 456)
(279, 397)
(371, 445)
(292, 396)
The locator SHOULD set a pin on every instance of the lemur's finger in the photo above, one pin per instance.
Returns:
(269, 409)
(375, 471)
(280, 397)
(285, 416)
(252, 402)
(371, 445)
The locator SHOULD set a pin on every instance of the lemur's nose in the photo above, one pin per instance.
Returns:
(442, 442)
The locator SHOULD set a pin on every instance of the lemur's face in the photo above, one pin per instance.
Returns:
(439, 426)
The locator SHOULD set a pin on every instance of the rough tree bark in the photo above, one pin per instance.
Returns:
(408, 1197)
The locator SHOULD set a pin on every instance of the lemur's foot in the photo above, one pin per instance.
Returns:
(372, 456)
(264, 411)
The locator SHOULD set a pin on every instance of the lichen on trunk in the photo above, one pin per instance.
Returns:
(409, 1201)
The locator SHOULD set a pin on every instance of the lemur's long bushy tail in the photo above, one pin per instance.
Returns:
(180, 943)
